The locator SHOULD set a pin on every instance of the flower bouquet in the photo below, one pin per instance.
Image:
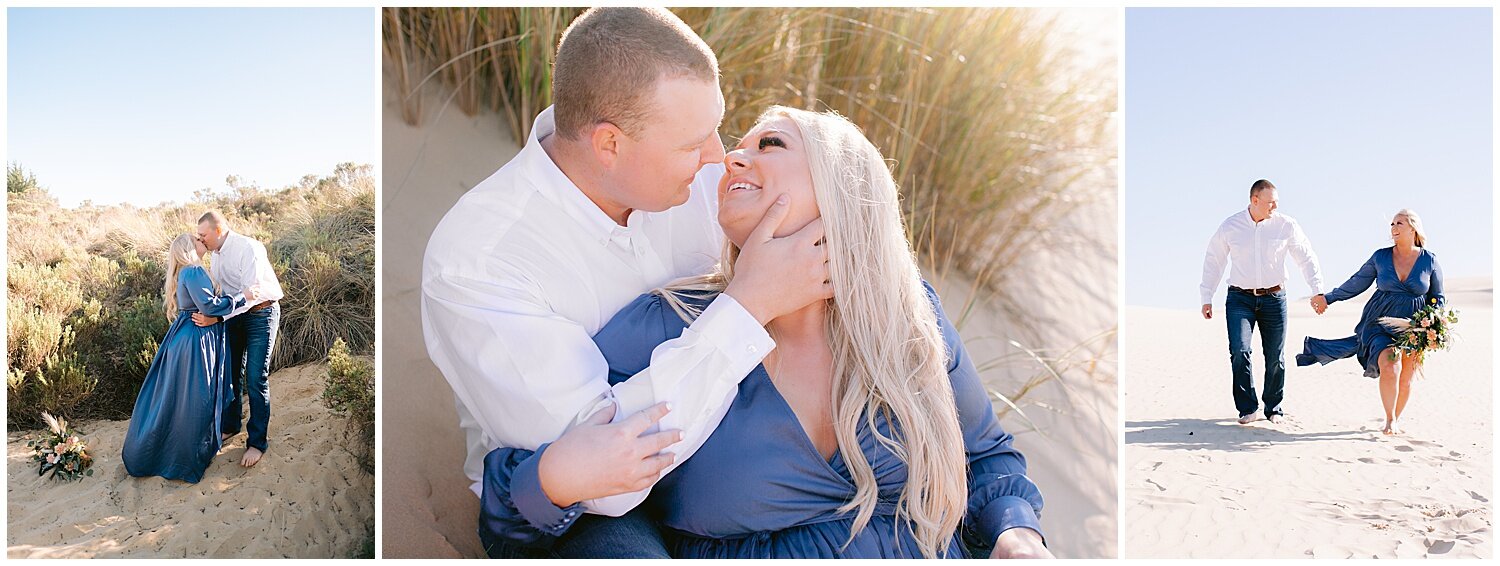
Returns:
(1430, 328)
(61, 452)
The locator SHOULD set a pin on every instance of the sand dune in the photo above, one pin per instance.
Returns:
(308, 498)
(1325, 484)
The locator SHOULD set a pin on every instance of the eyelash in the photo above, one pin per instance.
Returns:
(771, 140)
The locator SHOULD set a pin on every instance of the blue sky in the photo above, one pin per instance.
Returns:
(1352, 113)
(150, 105)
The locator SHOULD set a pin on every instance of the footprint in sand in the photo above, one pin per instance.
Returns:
(1478, 497)
(1405, 449)
(1367, 460)
(1440, 547)
(1157, 485)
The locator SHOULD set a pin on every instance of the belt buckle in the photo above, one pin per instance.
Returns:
(1258, 292)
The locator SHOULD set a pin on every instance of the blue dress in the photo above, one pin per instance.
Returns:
(174, 428)
(1393, 297)
(758, 488)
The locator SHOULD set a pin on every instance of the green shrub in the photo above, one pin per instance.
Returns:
(85, 310)
(350, 391)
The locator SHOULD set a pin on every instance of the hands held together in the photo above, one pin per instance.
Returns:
(1319, 303)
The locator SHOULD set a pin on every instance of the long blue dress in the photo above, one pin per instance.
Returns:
(758, 488)
(174, 429)
(1393, 297)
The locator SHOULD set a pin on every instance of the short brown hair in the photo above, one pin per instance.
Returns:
(1258, 186)
(610, 59)
(214, 218)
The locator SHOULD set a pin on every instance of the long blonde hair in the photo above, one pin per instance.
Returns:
(1416, 225)
(889, 356)
(182, 253)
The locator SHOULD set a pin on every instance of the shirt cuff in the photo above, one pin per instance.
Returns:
(527, 495)
(734, 331)
(1006, 513)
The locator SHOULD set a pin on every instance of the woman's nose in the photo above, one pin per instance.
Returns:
(737, 159)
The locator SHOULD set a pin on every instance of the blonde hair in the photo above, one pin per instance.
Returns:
(182, 253)
(889, 355)
(1416, 225)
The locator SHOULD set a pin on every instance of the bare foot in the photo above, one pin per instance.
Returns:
(1390, 428)
(252, 456)
(1276, 418)
(1397, 429)
(1250, 418)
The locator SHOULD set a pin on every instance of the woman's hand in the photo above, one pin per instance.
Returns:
(1020, 542)
(597, 459)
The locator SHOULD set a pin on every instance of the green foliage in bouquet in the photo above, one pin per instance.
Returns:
(61, 452)
(1428, 329)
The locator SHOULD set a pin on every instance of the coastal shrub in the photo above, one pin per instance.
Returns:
(85, 312)
(350, 391)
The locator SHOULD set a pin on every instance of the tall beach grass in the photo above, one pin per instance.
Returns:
(998, 134)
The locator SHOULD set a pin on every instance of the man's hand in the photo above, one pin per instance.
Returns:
(1208, 311)
(775, 276)
(596, 459)
(1319, 303)
(252, 295)
(201, 319)
(1020, 542)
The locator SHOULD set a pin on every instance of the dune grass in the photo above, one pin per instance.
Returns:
(997, 133)
(85, 284)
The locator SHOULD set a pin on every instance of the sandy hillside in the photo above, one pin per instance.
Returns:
(1325, 484)
(308, 498)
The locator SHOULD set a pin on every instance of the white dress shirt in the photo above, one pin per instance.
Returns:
(241, 263)
(1256, 253)
(525, 269)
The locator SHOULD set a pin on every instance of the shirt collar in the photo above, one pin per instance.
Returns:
(227, 234)
(558, 188)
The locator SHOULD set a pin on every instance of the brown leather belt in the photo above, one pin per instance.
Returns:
(261, 306)
(1256, 292)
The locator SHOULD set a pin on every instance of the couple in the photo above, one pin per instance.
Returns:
(1256, 242)
(223, 324)
(781, 383)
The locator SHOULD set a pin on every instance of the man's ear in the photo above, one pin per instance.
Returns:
(605, 140)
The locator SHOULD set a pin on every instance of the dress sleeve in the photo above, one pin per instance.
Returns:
(1435, 286)
(513, 509)
(201, 288)
(1357, 283)
(1001, 497)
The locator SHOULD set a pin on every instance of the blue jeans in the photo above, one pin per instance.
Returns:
(1243, 312)
(632, 535)
(252, 335)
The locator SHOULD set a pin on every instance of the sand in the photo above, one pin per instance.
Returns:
(1325, 484)
(307, 498)
(428, 510)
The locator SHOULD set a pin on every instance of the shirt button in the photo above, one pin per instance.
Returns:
(752, 349)
(571, 514)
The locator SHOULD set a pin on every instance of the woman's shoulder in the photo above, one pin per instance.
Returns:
(654, 317)
(194, 271)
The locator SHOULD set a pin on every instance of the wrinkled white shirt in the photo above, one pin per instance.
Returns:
(241, 263)
(525, 269)
(1256, 253)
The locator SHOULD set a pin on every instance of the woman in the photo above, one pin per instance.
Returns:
(865, 432)
(174, 429)
(1406, 277)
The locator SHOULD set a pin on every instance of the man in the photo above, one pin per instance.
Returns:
(239, 263)
(614, 194)
(1255, 242)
